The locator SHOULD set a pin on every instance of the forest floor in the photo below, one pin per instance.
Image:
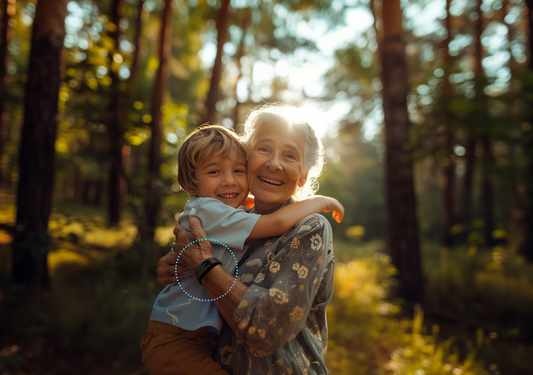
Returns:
(475, 318)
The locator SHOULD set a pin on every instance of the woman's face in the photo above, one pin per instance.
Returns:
(275, 165)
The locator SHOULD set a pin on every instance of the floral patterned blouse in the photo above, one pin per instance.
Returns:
(282, 316)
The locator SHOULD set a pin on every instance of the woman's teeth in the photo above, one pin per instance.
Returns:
(270, 181)
(228, 195)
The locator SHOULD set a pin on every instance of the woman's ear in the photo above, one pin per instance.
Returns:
(303, 179)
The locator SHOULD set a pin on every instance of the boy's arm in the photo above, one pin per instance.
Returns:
(286, 217)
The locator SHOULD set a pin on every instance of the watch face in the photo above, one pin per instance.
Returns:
(204, 264)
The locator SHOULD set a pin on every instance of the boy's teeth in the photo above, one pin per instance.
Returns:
(228, 195)
(271, 181)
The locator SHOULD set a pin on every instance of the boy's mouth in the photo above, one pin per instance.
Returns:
(228, 196)
(270, 181)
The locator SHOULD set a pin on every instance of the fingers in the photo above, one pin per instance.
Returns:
(178, 229)
(183, 276)
(167, 259)
(338, 210)
(180, 269)
(196, 227)
(165, 269)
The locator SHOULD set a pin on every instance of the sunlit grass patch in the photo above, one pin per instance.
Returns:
(164, 235)
(8, 208)
(63, 257)
(92, 231)
(368, 336)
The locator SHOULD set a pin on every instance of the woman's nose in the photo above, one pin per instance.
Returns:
(274, 162)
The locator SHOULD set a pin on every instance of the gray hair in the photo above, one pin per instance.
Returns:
(282, 114)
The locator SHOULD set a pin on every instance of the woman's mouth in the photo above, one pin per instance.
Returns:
(270, 181)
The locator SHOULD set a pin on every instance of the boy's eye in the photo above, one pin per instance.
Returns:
(240, 171)
(212, 172)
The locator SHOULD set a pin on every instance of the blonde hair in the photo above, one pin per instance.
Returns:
(206, 141)
(283, 114)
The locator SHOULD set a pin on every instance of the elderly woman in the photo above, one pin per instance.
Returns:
(275, 310)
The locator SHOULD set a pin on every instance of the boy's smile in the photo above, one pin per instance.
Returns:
(222, 179)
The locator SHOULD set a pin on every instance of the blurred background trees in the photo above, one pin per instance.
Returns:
(424, 107)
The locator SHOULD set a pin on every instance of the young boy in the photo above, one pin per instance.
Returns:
(184, 322)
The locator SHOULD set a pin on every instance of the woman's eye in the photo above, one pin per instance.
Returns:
(290, 156)
(262, 149)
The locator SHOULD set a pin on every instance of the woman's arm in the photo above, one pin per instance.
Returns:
(273, 311)
(277, 223)
(217, 281)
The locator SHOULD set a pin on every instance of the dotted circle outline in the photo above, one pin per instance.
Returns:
(210, 299)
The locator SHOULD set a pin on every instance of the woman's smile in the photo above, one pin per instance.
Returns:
(270, 181)
(275, 166)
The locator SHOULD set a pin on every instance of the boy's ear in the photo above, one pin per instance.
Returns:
(189, 190)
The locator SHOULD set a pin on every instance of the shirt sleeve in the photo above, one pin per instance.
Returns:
(276, 306)
(226, 224)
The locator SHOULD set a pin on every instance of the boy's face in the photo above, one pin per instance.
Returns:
(223, 179)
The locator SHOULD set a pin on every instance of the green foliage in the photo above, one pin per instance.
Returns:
(369, 331)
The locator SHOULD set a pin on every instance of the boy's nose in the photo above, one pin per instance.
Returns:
(229, 180)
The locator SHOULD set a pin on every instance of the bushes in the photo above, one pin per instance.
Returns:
(368, 335)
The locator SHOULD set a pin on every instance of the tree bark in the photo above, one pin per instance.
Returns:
(402, 225)
(152, 200)
(240, 53)
(527, 245)
(484, 139)
(222, 36)
(8, 11)
(116, 183)
(135, 60)
(448, 209)
(36, 151)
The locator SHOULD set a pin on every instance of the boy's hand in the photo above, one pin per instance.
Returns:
(337, 208)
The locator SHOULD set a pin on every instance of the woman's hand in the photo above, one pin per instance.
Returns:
(165, 269)
(337, 208)
(191, 254)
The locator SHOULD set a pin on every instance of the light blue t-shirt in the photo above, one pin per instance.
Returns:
(223, 223)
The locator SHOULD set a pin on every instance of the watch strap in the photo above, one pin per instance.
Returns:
(205, 267)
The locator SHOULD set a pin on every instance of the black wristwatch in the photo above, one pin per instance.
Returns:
(205, 267)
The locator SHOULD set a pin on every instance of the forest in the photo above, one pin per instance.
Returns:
(425, 109)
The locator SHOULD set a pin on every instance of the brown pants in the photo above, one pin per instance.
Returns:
(170, 350)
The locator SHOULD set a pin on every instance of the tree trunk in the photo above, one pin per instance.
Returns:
(484, 139)
(240, 53)
(8, 11)
(487, 191)
(152, 200)
(136, 43)
(527, 245)
(116, 182)
(222, 36)
(402, 225)
(470, 158)
(36, 152)
(448, 209)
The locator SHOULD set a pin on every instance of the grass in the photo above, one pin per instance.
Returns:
(90, 321)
